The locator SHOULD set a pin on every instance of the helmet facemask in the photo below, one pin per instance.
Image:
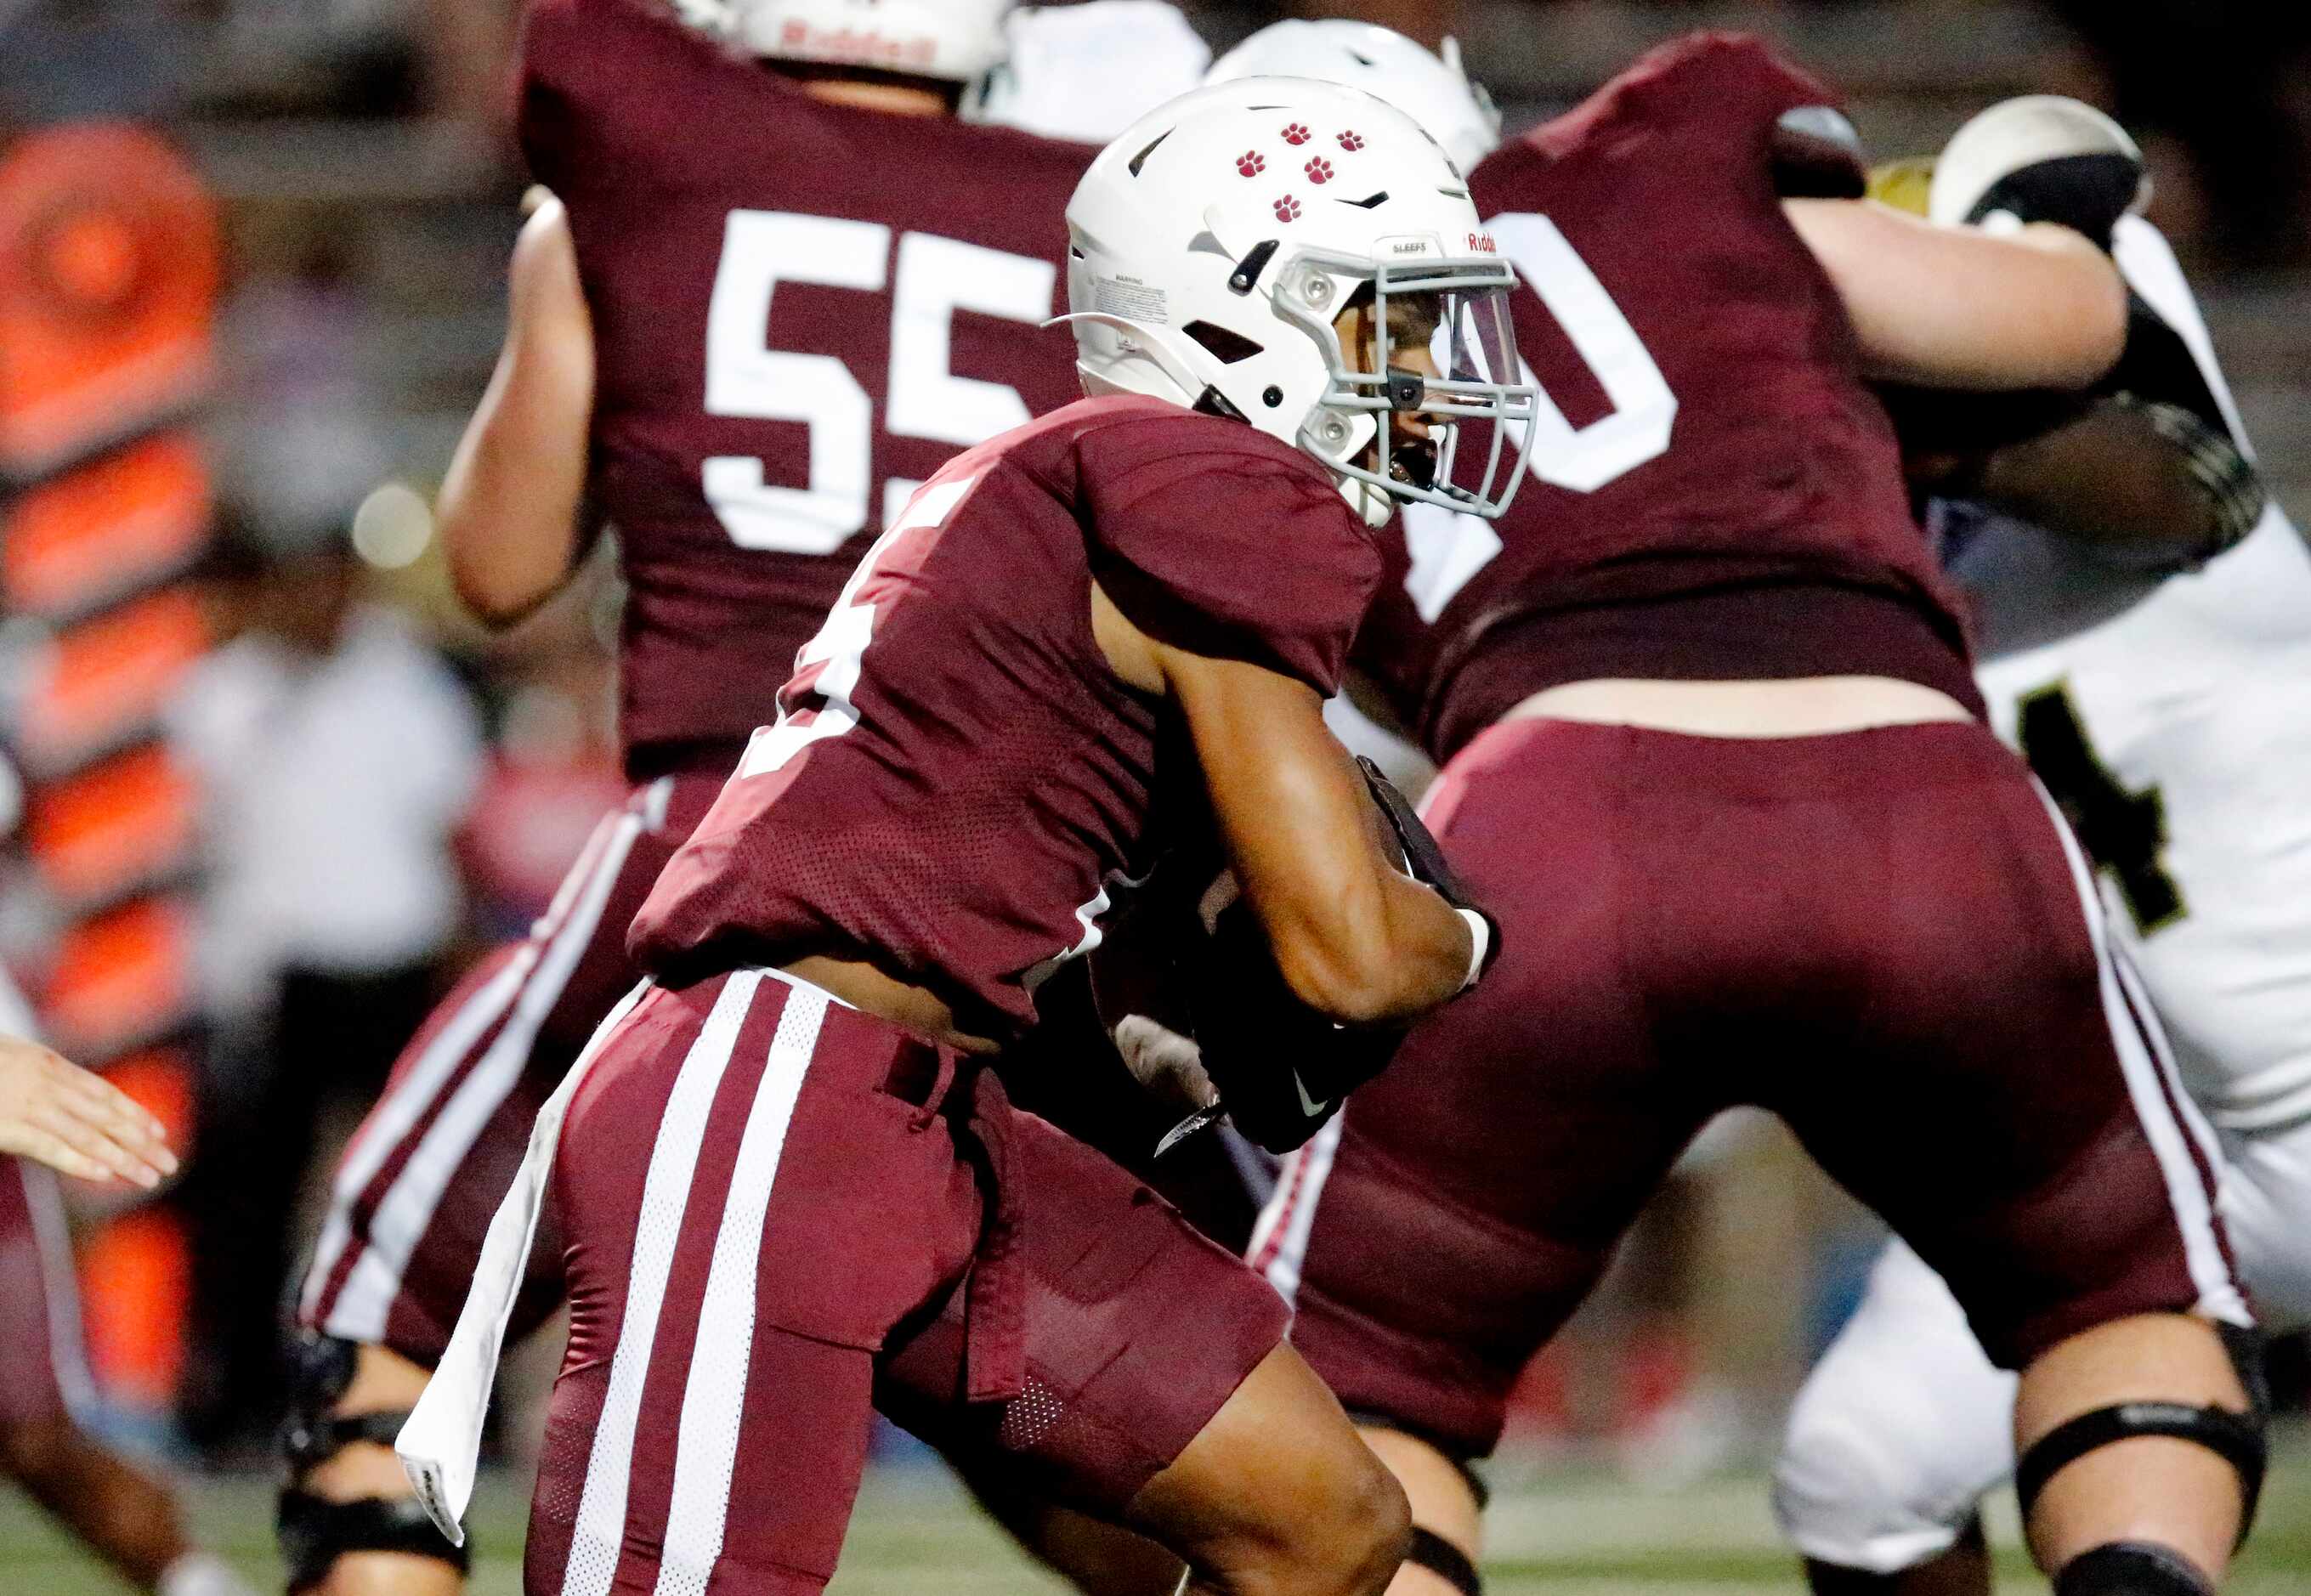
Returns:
(1436, 352)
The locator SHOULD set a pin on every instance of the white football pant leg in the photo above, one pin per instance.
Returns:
(1901, 1430)
(2266, 1206)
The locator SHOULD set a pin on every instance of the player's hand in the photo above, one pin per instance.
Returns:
(1281, 1069)
(1168, 1065)
(75, 1121)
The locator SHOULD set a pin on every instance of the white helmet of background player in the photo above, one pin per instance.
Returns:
(1088, 72)
(1436, 92)
(1215, 242)
(957, 41)
(2041, 157)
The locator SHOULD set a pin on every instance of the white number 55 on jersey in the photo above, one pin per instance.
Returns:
(935, 277)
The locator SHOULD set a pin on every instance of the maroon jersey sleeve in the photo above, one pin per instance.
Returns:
(1232, 546)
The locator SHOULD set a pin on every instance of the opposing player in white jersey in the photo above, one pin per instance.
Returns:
(2169, 712)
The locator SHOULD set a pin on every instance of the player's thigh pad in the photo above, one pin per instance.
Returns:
(1996, 1088)
(415, 1189)
(1900, 1431)
(1439, 1230)
(755, 1184)
(1136, 1330)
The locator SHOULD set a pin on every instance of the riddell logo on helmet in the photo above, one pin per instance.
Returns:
(1482, 242)
(855, 44)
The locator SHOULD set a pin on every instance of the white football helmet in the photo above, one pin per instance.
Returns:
(2016, 134)
(1087, 72)
(1437, 93)
(1217, 242)
(957, 41)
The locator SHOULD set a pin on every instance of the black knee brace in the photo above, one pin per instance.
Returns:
(1442, 1558)
(313, 1531)
(2131, 1568)
(2238, 1438)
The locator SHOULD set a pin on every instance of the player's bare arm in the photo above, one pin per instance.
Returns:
(1353, 938)
(73, 1120)
(1946, 307)
(508, 509)
(2140, 484)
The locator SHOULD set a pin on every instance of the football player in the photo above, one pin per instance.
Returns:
(785, 1179)
(1714, 747)
(2153, 703)
(53, 1113)
(778, 284)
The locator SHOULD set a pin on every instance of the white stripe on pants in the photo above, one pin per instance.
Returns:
(1279, 1241)
(599, 1531)
(714, 1400)
(531, 985)
(2170, 1123)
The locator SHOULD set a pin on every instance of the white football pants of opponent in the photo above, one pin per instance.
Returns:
(1905, 1425)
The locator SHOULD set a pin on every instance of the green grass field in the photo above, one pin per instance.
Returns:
(1571, 1535)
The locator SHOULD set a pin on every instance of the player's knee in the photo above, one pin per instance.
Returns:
(1845, 1497)
(1370, 1533)
(1345, 1536)
(2131, 1568)
(347, 1492)
(2238, 1438)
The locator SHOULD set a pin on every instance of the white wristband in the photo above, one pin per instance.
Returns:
(1480, 942)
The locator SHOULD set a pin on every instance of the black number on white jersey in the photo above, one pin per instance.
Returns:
(2124, 833)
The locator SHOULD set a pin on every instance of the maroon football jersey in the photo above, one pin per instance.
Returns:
(801, 310)
(1705, 427)
(957, 774)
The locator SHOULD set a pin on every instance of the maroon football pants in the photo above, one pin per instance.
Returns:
(778, 1213)
(39, 1306)
(416, 1186)
(1884, 937)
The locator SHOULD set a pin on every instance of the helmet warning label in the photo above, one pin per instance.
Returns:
(1130, 299)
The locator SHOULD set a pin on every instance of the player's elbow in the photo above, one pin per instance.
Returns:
(1351, 977)
(495, 590)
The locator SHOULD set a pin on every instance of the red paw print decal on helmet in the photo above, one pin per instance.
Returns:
(1287, 209)
(1320, 171)
(1297, 132)
(1251, 164)
(1352, 140)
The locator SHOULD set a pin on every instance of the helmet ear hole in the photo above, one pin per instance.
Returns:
(1224, 345)
(1140, 159)
(1273, 396)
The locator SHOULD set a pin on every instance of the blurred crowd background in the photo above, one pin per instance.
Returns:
(275, 790)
